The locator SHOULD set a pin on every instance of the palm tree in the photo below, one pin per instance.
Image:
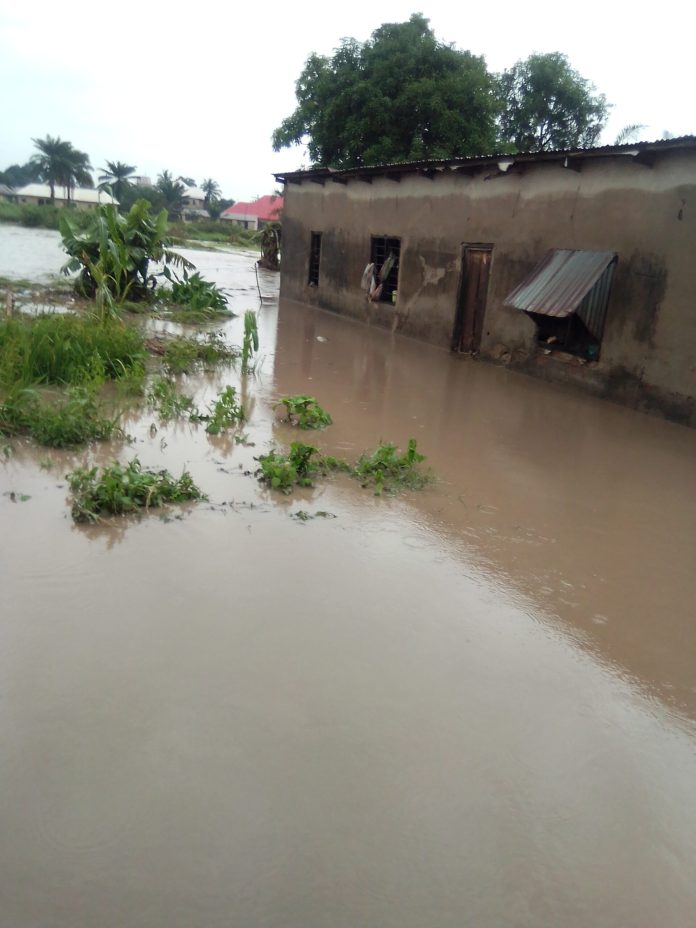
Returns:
(50, 161)
(59, 163)
(115, 175)
(211, 189)
(629, 133)
(172, 192)
(76, 170)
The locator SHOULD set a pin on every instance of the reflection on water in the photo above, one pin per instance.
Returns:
(472, 705)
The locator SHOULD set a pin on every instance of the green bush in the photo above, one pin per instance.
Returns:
(65, 423)
(305, 412)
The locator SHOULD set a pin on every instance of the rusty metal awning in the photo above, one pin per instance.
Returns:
(560, 282)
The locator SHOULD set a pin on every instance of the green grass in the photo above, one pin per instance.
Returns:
(67, 422)
(124, 488)
(34, 216)
(183, 355)
(67, 349)
(305, 412)
(220, 232)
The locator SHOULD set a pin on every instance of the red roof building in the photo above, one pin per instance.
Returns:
(257, 214)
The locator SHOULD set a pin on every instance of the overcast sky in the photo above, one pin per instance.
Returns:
(198, 89)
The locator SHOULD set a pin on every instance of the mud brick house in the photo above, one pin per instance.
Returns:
(578, 266)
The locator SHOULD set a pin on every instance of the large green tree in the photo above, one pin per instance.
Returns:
(402, 95)
(116, 175)
(545, 104)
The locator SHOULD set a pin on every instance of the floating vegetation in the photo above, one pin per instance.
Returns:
(297, 468)
(64, 423)
(386, 469)
(225, 413)
(67, 349)
(303, 516)
(305, 412)
(124, 488)
(183, 355)
(250, 343)
(170, 403)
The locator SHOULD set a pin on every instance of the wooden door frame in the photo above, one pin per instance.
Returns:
(459, 316)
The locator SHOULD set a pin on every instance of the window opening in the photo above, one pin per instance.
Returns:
(385, 254)
(314, 258)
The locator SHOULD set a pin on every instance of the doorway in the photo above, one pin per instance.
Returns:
(471, 298)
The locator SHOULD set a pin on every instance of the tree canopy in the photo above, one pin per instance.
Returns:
(545, 104)
(400, 96)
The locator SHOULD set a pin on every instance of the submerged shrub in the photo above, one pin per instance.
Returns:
(67, 349)
(123, 488)
(387, 469)
(297, 468)
(305, 412)
(199, 295)
(65, 423)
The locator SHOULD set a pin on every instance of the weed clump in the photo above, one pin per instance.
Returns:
(297, 468)
(386, 469)
(125, 488)
(66, 349)
(65, 423)
(225, 412)
(305, 412)
(183, 355)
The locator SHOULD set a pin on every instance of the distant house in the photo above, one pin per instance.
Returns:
(6, 193)
(193, 204)
(257, 214)
(80, 197)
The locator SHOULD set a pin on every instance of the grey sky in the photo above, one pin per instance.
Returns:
(199, 88)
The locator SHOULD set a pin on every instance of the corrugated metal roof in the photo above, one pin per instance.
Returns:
(634, 149)
(267, 209)
(560, 282)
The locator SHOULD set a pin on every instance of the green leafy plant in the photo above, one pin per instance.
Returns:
(64, 423)
(386, 469)
(170, 403)
(225, 412)
(305, 412)
(250, 344)
(199, 297)
(123, 488)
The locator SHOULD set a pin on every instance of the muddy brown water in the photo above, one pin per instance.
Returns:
(470, 705)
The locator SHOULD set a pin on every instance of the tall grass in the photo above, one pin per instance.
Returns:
(52, 349)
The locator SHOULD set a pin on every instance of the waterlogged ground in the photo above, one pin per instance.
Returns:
(473, 705)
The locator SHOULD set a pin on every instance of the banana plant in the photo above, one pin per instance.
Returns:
(122, 247)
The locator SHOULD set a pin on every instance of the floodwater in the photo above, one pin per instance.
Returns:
(473, 705)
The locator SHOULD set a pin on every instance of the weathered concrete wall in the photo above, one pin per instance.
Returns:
(647, 215)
